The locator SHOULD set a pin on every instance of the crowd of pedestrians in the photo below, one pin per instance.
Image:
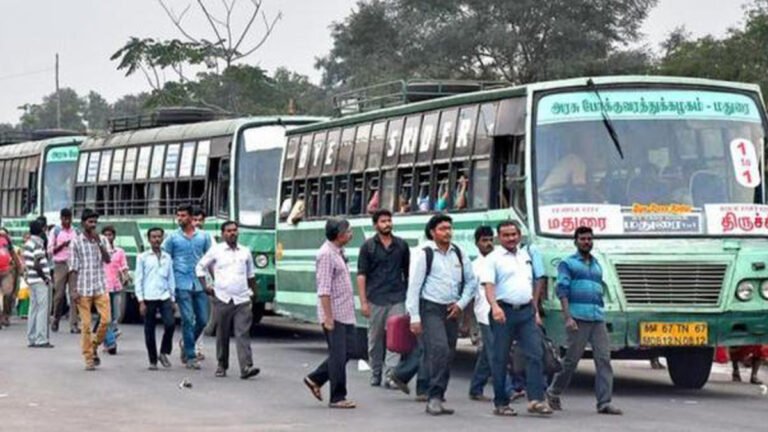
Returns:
(434, 284)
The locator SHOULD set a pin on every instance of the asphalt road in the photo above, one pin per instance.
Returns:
(48, 390)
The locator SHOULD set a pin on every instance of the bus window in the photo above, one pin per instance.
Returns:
(58, 178)
(508, 175)
(387, 199)
(172, 161)
(479, 184)
(485, 129)
(465, 131)
(459, 190)
(82, 166)
(405, 191)
(142, 167)
(222, 201)
(442, 187)
(423, 199)
(201, 159)
(156, 169)
(331, 152)
(317, 154)
(371, 193)
(305, 148)
(347, 145)
(93, 167)
(362, 139)
(258, 171)
(358, 195)
(286, 201)
(446, 134)
(153, 199)
(326, 205)
(392, 145)
(410, 140)
(342, 192)
(427, 138)
(377, 145)
(289, 163)
(511, 117)
(117, 165)
(130, 164)
(313, 198)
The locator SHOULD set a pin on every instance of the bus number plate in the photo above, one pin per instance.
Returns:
(673, 334)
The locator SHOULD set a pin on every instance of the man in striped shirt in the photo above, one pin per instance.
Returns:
(86, 263)
(38, 275)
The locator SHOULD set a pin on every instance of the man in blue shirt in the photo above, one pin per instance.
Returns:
(186, 246)
(580, 290)
(508, 278)
(156, 291)
(440, 287)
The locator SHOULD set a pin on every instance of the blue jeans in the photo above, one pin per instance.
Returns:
(193, 307)
(520, 325)
(114, 305)
(483, 367)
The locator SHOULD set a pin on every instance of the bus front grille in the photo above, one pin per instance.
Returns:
(671, 284)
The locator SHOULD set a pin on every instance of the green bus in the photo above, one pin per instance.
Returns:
(138, 174)
(36, 174)
(667, 171)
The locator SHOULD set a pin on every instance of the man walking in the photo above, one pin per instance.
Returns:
(336, 312)
(441, 285)
(382, 278)
(59, 244)
(156, 291)
(88, 254)
(186, 246)
(580, 290)
(38, 275)
(509, 289)
(231, 267)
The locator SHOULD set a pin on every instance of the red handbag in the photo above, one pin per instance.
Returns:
(721, 355)
(399, 336)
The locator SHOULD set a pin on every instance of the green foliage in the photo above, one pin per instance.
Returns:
(43, 115)
(518, 41)
(739, 56)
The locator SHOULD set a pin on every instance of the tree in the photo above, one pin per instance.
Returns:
(97, 111)
(43, 115)
(517, 41)
(130, 105)
(739, 56)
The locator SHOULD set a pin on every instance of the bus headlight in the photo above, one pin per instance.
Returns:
(745, 290)
(262, 260)
(764, 289)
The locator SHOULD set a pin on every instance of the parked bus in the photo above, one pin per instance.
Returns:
(667, 171)
(36, 175)
(137, 176)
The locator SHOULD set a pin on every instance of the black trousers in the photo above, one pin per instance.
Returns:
(233, 319)
(341, 342)
(439, 337)
(150, 322)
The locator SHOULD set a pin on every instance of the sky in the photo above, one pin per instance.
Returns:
(85, 33)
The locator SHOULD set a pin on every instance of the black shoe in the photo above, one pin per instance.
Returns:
(164, 361)
(375, 381)
(610, 410)
(55, 326)
(220, 372)
(249, 373)
(43, 345)
(393, 380)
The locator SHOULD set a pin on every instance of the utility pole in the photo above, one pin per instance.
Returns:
(58, 95)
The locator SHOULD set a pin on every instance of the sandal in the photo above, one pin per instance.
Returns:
(314, 388)
(342, 404)
(504, 411)
(541, 408)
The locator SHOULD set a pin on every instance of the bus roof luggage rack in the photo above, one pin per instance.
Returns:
(13, 137)
(394, 93)
(162, 117)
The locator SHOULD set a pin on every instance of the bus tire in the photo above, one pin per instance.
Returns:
(689, 368)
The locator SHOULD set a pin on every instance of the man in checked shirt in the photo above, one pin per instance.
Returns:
(88, 255)
(336, 312)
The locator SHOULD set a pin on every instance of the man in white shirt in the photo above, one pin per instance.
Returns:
(231, 268)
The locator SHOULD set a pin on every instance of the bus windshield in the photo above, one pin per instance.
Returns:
(692, 163)
(259, 155)
(58, 178)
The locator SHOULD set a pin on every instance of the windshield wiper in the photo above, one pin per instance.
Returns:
(606, 121)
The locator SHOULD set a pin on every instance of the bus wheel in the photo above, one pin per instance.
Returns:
(689, 368)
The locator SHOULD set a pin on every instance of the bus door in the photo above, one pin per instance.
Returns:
(217, 196)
